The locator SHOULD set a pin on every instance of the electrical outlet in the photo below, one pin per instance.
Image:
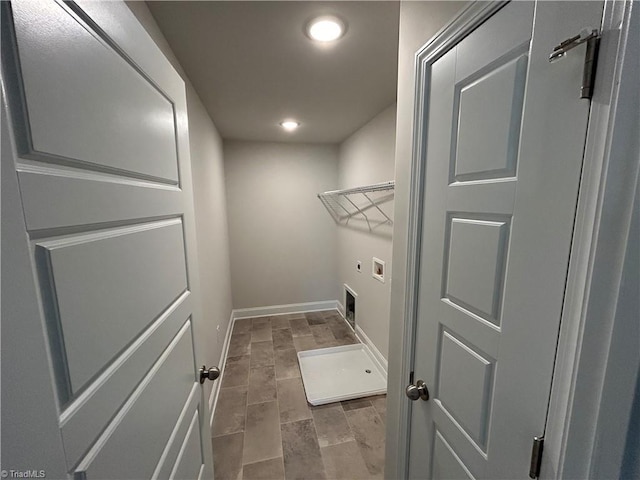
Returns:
(359, 266)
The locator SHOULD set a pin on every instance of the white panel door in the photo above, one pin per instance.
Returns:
(99, 329)
(504, 136)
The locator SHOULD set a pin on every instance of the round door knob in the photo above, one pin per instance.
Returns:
(419, 390)
(208, 373)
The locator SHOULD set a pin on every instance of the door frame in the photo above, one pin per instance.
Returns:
(576, 422)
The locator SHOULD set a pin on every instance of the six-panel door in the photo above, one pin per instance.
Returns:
(504, 137)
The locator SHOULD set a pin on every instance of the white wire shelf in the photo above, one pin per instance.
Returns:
(364, 202)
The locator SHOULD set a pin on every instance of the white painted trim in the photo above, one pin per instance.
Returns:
(282, 309)
(377, 276)
(343, 315)
(578, 424)
(348, 289)
(260, 312)
(351, 290)
(215, 391)
(340, 309)
(376, 353)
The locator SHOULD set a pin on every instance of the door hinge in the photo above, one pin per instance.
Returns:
(536, 457)
(592, 39)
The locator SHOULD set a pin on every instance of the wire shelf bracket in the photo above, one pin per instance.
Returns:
(365, 202)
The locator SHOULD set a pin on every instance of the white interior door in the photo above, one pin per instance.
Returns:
(99, 315)
(505, 132)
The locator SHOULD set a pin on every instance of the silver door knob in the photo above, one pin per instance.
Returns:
(208, 373)
(419, 390)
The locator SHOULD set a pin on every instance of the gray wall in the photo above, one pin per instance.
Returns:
(419, 21)
(367, 157)
(282, 240)
(209, 202)
(211, 217)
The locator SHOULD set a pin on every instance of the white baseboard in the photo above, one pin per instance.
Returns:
(281, 309)
(215, 391)
(376, 353)
(260, 312)
(366, 340)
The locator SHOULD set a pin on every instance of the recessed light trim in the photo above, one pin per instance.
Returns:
(289, 125)
(327, 28)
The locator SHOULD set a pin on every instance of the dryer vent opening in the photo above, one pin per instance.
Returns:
(350, 307)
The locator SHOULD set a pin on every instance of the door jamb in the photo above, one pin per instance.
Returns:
(574, 426)
(579, 410)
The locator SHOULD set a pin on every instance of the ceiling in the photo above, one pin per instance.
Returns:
(253, 66)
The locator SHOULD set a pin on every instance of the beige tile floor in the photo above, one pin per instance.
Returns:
(263, 426)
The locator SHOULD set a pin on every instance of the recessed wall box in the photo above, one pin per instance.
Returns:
(378, 269)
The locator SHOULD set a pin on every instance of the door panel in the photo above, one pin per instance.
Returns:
(500, 190)
(518, 19)
(101, 159)
(487, 118)
(465, 386)
(475, 255)
(85, 417)
(85, 103)
(144, 269)
(149, 416)
(446, 464)
(50, 197)
(189, 462)
(181, 433)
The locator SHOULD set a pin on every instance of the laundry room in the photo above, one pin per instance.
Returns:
(320, 239)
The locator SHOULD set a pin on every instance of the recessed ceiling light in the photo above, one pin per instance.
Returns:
(326, 28)
(289, 125)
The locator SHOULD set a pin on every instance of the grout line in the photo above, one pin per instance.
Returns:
(315, 429)
(324, 466)
(340, 443)
(263, 460)
(227, 434)
(298, 420)
(246, 415)
(279, 414)
(277, 400)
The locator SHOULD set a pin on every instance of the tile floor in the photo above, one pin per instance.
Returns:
(263, 426)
